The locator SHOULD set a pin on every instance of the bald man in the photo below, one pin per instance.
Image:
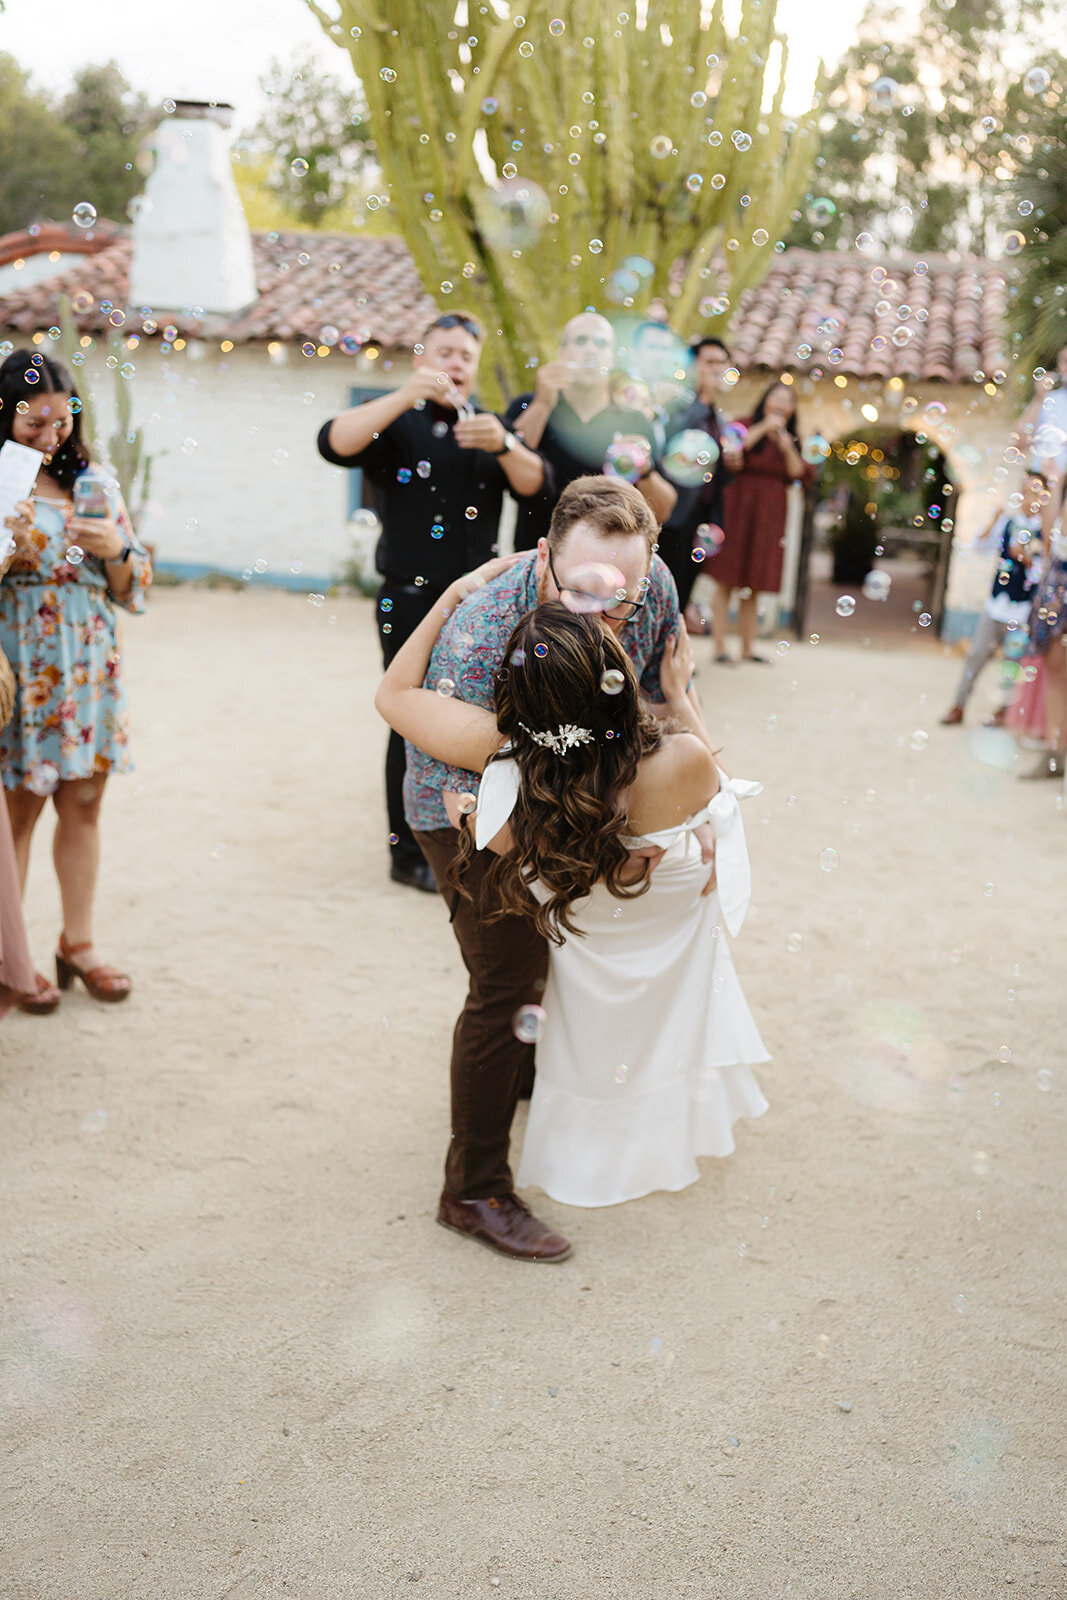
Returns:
(570, 420)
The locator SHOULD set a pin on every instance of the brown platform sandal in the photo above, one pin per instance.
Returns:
(103, 983)
(42, 1001)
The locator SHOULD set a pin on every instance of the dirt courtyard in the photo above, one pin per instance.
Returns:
(240, 1361)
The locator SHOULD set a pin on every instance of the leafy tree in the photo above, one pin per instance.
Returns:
(314, 134)
(109, 121)
(537, 163)
(1039, 193)
(922, 121)
(37, 153)
(52, 156)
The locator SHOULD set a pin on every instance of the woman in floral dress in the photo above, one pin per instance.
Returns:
(58, 628)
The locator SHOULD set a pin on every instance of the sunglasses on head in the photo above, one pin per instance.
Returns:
(454, 319)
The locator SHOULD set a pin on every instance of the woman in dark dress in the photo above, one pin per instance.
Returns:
(754, 513)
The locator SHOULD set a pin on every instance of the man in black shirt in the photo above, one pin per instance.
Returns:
(702, 504)
(441, 467)
(569, 418)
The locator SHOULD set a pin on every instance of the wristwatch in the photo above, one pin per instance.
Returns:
(510, 442)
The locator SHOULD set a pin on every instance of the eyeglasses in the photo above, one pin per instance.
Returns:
(599, 341)
(584, 602)
(456, 320)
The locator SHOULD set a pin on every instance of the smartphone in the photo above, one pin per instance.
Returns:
(90, 498)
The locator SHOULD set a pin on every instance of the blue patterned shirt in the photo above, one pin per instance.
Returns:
(470, 648)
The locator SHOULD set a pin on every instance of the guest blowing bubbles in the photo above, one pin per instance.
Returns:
(58, 629)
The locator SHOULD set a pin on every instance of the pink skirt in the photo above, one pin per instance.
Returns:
(16, 969)
(1026, 713)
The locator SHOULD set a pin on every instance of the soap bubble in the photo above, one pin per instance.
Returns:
(661, 146)
(81, 301)
(621, 1074)
(75, 555)
(741, 141)
(845, 606)
(526, 49)
(556, 27)
(513, 214)
(708, 540)
(329, 335)
(446, 687)
(387, 75)
(1044, 1079)
(84, 214)
(794, 942)
(828, 859)
(925, 619)
(43, 779)
(1014, 242)
(876, 585)
(298, 167)
(883, 94)
(613, 681)
(919, 739)
(782, 647)
(189, 447)
(690, 457)
(1037, 81)
(593, 587)
(820, 212)
(127, 369)
(627, 459)
(816, 448)
(470, 513)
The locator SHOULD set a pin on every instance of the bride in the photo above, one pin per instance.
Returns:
(588, 801)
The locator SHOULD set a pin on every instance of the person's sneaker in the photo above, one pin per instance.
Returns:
(953, 716)
(1050, 765)
(505, 1224)
(417, 876)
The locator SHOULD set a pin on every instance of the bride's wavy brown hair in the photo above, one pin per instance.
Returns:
(571, 808)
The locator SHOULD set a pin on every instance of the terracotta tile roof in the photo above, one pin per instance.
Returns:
(839, 311)
(878, 317)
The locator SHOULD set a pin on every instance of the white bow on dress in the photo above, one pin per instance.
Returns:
(500, 789)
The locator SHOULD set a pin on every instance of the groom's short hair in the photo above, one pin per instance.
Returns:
(611, 505)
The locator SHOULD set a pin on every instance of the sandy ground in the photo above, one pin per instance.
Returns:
(241, 1361)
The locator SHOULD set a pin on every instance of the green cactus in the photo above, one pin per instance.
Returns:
(656, 137)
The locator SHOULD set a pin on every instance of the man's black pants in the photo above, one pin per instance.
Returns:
(400, 609)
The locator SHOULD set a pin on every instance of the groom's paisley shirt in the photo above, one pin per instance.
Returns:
(470, 648)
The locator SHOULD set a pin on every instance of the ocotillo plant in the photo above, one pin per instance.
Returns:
(577, 156)
(126, 443)
(69, 349)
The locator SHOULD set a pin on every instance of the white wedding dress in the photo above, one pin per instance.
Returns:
(644, 1051)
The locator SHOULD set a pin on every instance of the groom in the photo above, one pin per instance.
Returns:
(601, 520)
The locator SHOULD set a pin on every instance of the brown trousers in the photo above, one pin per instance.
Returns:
(507, 962)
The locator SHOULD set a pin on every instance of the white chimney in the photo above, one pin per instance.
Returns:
(191, 244)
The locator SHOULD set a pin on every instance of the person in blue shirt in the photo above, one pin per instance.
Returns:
(1016, 537)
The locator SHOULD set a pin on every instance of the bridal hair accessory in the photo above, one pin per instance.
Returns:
(565, 737)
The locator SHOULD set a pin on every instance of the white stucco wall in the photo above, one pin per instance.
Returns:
(253, 488)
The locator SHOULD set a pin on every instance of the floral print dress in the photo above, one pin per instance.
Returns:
(59, 631)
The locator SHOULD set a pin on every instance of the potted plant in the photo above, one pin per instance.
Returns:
(853, 543)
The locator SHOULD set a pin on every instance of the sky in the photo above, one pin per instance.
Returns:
(222, 47)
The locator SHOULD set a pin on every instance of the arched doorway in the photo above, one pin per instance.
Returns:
(882, 504)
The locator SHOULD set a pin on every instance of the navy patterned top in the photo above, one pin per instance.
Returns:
(470, 648)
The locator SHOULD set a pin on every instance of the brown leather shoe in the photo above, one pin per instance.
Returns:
(953, 717)
(504, 1224)
(103, 983)
(43, 1001)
